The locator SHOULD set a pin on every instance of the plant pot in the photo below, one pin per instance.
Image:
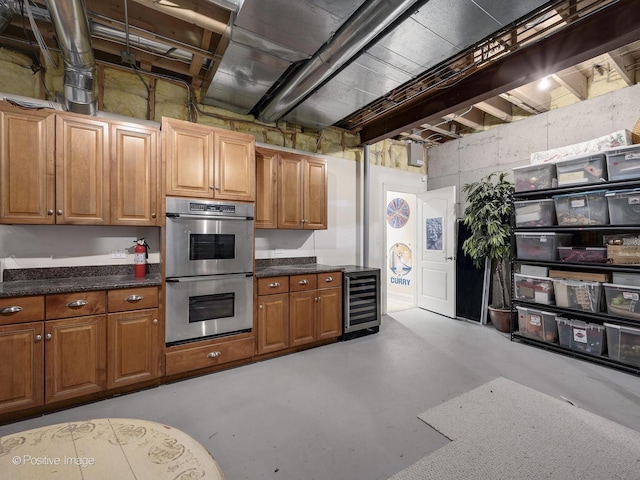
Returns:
(501, 318)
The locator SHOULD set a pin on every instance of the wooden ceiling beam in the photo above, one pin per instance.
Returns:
(622, 63)
(471, 117)
(615, 26)
(573, 80)
(498, 107)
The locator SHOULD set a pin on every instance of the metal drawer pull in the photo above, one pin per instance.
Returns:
(14, 309)
(303, 282)
(134, 298)
(77, 304)
(274, 285)
(214, 354)
(329, 279)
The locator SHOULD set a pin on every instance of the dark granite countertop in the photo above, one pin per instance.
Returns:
(297, 269)
(20, 288)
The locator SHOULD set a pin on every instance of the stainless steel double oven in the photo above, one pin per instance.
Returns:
(209, 269)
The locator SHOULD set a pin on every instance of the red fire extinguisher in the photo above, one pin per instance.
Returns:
(140, 257)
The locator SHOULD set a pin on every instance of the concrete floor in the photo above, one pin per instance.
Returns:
(348, 410)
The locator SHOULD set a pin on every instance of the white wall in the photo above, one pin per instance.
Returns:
(502, 148)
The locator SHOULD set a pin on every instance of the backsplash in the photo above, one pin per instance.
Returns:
(279, 262)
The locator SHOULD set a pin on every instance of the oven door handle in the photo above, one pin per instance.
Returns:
(201, 278)
(206, 217)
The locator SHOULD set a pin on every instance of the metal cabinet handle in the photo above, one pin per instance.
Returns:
(38, 338)
(317, 298)
(77, 304)
(329, 279)
(213, 187)
(59, 212)
(214, 354)
(155, 321)
(260, 307)
(47, 336)
(134, 298)
(50, 212)
(274, 285)
(13, 309)
(303, 282)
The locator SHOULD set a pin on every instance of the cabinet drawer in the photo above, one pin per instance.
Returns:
(21, 309)
(208, 355)
(132, 299)
(65, 305)
(298, 283)
(273, 285)
(330, 279)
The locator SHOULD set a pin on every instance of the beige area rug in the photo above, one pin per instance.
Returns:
(504, 430)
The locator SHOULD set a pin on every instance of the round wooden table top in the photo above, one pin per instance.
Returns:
(106, 448)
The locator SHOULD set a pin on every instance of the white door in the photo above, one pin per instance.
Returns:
(436, 261)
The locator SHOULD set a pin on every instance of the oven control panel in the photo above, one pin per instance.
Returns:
(212, 208)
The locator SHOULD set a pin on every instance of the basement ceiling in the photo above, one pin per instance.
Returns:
(427, 71)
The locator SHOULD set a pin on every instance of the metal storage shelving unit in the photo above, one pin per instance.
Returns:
(590, 317)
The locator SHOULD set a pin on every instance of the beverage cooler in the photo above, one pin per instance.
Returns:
(361, 301)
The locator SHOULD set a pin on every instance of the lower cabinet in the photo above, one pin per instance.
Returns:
(62, 346)
(311, 311)
(191, 357)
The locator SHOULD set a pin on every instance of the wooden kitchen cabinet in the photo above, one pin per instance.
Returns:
(273, 322)
(21, 353)
(82, 165)
(75, 357)
(133, 327)
(266, 211)
(292, 195)
(206, 162)
(135, 192)
(329, 309)
(27, 161)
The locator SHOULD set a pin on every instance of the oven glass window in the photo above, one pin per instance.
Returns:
(211, 307)
(210, 246)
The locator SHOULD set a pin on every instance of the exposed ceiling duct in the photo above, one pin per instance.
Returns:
(360, 29)
(72, 31)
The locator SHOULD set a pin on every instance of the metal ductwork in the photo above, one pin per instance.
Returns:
(72, 31)
(354, 35)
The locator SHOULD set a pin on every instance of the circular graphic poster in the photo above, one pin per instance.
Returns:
(398, 213)
(400, 259)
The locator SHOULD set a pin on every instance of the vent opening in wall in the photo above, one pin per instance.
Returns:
(415, 154)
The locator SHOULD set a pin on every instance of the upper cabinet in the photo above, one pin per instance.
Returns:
(82, 165)
(27, 159)
(73, 169)
(291, 191)
(206, 162)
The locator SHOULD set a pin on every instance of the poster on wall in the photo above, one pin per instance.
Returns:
(400, 258)
(433, 236)
(398, 213)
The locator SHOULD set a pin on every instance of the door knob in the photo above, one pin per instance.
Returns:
(451, 258)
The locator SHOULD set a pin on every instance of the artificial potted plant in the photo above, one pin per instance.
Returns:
(488, 216)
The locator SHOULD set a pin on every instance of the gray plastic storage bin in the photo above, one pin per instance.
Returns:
(535, 213)
(624, 207)
(588, 208)
(541, 246)
(583, 254)
(623, 278)
(622, 300)
(535, 177)
(623, 163)
(582, 336)
(581, 170)
(537, 324)
(623, 343)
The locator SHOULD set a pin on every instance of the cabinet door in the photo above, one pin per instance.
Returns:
(235, 167)
(329, 313)
(188, 150)
(75, 357)
(315, 194)
(302, 322)
(266, 212)
(132, 347)
(134, 177)
(82, 170)
(273, 323)
(27, 167)
(21, 366)
(290, 191)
